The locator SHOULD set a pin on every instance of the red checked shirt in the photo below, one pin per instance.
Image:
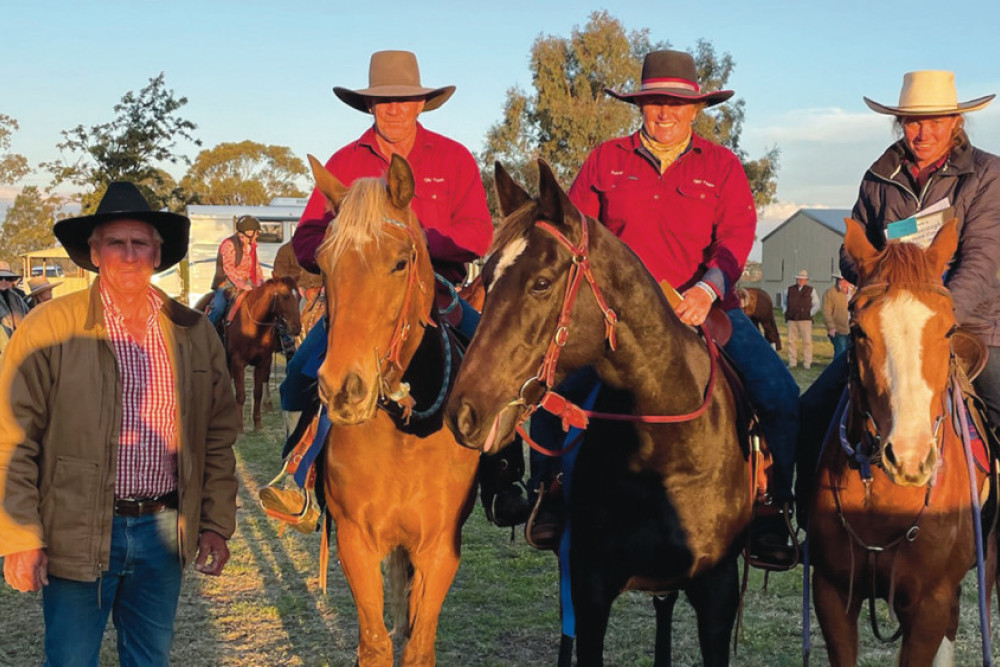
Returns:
(245, 275)
(147, 446)
(694, 222)
(450, 201)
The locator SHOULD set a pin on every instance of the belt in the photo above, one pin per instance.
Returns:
(144, 506)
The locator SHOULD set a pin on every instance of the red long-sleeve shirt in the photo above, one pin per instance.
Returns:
(694, 222)
(450, 201)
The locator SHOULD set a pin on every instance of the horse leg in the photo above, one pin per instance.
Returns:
(664, 605)
(930, 624)
(260, 374)
(236, 368)
(592, 600)
(266, 405)
(839, 624)
(433, 571)
(363, 572)
(715, 597)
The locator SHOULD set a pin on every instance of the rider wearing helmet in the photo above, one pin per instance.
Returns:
(237, 268)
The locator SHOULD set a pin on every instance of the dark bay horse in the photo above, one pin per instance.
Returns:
(251, 339)
(653, 507)
(397, 484)
(892, 513)
(757, 305)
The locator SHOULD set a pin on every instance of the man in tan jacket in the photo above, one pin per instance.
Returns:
(836, 316)
(116, 431)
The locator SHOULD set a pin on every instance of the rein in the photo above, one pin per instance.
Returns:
(569, 413)
(270, 307)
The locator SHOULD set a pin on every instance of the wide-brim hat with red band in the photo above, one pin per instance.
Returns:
(394, 74)
(671, 74)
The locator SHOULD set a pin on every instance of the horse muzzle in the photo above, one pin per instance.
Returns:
(473, 430)
(352, 401)
(914, 468)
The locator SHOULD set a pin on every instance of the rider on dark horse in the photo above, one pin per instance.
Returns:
(449, 201)
(237, 268)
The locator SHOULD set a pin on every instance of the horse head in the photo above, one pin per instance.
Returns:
(902, 323)
(379, 284)
(532, 332)
(285, 304)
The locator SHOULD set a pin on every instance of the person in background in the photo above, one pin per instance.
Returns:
(13, 306)
(801, 303)
(40, 290)
(116, 442)
(237, 267)
(836, 316)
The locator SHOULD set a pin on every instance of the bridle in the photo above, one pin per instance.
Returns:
(569, 413)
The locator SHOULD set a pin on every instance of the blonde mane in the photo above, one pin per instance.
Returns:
(359, 222)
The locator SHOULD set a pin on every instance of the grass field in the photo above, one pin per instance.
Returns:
(267, 608)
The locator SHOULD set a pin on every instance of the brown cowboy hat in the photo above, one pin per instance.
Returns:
(124, 201)
(40, 284)
(671, 74)
(394, 74)
(929, 93)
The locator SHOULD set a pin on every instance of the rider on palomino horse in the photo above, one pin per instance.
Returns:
(684, 205)
(450, 203)
(237, 268)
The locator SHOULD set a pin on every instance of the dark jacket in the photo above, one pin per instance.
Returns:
(970, 179)
(59, 430)
(799, 303)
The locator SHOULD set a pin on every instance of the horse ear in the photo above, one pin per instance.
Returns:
(943, 247)
(553, 202)
(510, 195)
(400, 181)
(328, 184)
(857, 244)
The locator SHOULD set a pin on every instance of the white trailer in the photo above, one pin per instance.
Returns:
(191, 279)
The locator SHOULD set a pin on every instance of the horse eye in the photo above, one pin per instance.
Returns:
(951, 331)
(400, 265)
(541, 285)
(858, 332)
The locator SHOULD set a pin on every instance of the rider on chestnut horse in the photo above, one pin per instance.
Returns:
(237, 268)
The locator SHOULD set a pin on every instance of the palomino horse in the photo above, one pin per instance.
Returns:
(760, 309)
(396, 482)
(892, 512)
(654, 507)
(251, 338)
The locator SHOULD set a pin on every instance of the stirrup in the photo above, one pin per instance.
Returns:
(548, 496)
(307, 519)
(771, 565)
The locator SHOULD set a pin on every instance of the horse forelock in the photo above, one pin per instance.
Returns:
(361, 221)
(902, 264)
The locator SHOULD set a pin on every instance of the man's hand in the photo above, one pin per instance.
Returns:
(26, 571)
(694, 308)
(213, 553)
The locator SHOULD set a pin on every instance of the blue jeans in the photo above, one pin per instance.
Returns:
(140, 588)
(840, 343)
(773, 394)
(218, 306)
(298, 389)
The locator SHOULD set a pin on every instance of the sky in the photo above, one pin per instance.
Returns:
(263, 70)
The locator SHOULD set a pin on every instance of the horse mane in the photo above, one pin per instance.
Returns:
(902, 264)
(355, 225)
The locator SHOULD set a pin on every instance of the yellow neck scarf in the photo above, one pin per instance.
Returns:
(667, 155)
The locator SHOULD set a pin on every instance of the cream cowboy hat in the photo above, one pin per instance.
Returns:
(803, 274)
(929, 93)
(394, 74)
(40, 284)
(6, 272)
(671, 74)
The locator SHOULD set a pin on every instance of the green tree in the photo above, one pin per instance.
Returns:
(28, 224)
(246, 173)
(568, 113)
(134, 146)
(13, 167)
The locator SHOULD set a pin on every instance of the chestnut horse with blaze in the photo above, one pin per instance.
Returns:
(892, 515)
(397, 485)
(656, 507)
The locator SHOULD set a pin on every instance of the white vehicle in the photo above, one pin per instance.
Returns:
(191, 279)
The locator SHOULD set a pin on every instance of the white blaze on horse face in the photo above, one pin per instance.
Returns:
(508, 256)
(903, 319)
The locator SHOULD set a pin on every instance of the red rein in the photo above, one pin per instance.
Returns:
(572, 415)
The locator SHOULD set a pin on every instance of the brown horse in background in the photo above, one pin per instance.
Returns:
(892, 512)
(397, 484)
(757, 305)
(251, 339)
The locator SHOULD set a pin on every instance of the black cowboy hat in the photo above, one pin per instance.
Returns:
(124, 201)
(671, 74)
(394, 74)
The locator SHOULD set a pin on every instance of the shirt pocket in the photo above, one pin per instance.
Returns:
(70, 507)
(697, 203)
(432, 201)
(625, 200)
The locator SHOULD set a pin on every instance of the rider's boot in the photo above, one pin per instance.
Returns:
(772, 543)
(501, 489)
